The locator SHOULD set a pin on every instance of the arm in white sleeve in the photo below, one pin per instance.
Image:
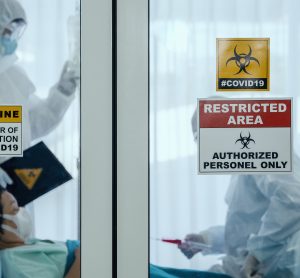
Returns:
(46, 114)
(282, 218)
(214, 236)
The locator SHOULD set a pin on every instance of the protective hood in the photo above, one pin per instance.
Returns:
(9, 11)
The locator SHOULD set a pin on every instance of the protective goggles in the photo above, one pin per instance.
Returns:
(14, 30)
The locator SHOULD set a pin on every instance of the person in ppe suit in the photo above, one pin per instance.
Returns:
(39, 116)
(261, 236)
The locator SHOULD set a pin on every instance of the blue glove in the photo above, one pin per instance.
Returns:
(188, 248)
(250, 268)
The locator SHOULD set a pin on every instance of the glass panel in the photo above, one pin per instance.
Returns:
(183, 68)
(37, 76)
(44, 48)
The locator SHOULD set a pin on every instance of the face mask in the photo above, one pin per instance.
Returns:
(23, 222)
(7, 46)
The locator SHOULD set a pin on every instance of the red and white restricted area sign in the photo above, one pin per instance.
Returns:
(244, 135)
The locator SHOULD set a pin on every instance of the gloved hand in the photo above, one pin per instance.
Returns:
(188, 248)
(250, 268)
(4, 178)
(67, 82)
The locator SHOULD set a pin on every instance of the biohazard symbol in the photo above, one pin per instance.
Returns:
(245, 141)
(29, 176)
(242, 60)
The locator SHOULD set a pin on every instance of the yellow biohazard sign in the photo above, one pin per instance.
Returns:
(29, 176)
(11, 130)
(243, 64)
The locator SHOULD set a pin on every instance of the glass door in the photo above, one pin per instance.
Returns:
(223, 225)
(216, 225)
(40, 138)
(56, 139)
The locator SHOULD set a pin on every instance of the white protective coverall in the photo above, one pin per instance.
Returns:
(263, 220)
(40, 116)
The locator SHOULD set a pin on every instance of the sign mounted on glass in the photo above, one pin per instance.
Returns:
(243, 64)
(244, 136)
(11, 130)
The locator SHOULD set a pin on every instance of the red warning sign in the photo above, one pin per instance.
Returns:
(244, 135)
